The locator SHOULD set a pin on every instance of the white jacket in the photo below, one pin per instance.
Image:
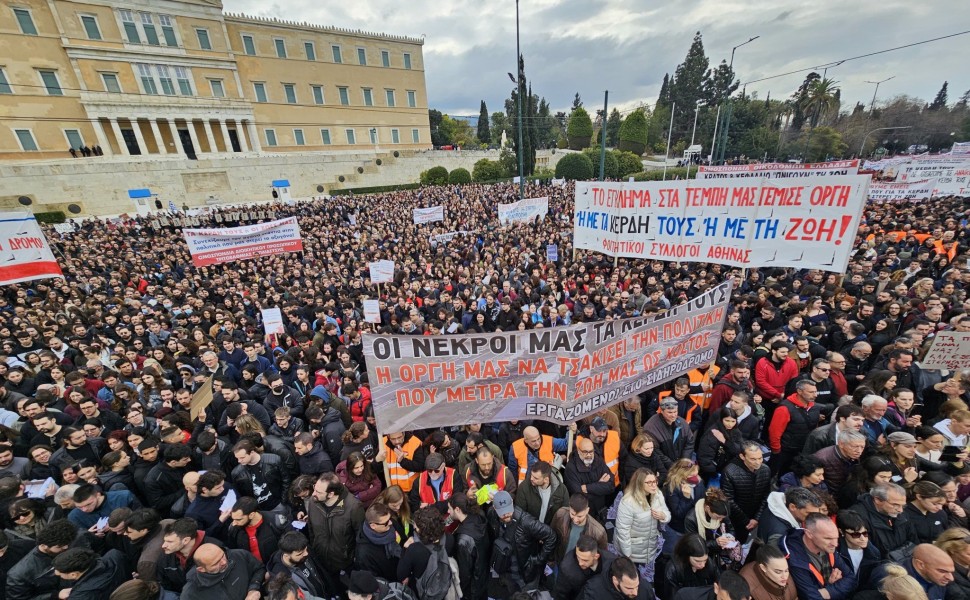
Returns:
(636, 535)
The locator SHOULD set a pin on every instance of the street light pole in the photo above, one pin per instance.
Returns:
(521, 93)
(877, 83)
(727, 117)
(866, 138)
(693, 131)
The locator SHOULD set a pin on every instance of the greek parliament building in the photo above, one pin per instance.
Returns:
(179, 78)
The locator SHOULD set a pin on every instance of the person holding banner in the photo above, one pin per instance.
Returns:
(533, 447)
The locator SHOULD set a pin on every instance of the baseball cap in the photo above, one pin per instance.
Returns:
(599, 424)
(901, 437)
(434, 461)
(502, 502)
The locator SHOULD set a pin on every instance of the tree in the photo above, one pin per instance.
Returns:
(435, 176)
(579, 132)
(577, 102)
(689, 85)
(610, 164)
(484, 134)
(719, 84)
(940, 100)
(488, 170)
(574, 167)
(437, 137)
(456, 131)
(664, 98)
(613, 125)
(633, 132)
(657, 131)
(819, 98)
(798, 101)
(500, 125)
(627, 163)
(824, 143)
(547, 128)
(460, 175)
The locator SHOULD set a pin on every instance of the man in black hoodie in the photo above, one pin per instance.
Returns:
(579, 566)
(620, 582)
(313, 460)
(293, 558)
(91, 577)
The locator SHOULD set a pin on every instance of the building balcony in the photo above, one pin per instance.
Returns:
(112, 105)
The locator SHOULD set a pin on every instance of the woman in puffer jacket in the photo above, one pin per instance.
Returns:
(641, 511)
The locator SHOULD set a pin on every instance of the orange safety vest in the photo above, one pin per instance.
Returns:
(817, 573)
(426, 490)
(697, 380)
(521, 453)
(499, 477)
(398, 475)
(611, 453)
(690, 411)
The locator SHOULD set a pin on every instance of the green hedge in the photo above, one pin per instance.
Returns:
(54, 216)
(375, 189)
(658, 174)
(460, 175)
(575, 167)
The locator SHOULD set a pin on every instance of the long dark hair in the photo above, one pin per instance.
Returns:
(689, 546)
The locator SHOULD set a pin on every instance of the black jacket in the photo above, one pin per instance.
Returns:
(871, 558)
(572, 578)
(268, 535)
(747, 491)
(578, 474)
(244, 574)
(712, 455)
(333, 531)
(310, 577)
(534, 542)
(273, 473)
(17, 548)
(163, 486)
(32, 577)
(677, 578)
(102, 579)
(527, 496)
(473, 553)
(927, 527)
(316, 461)
(379, 559)
(885, 533)
(658, 462)
(601, 588)
(171, 574)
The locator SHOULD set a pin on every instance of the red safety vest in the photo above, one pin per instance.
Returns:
(426, 490)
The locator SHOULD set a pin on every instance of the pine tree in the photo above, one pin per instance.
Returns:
(577, 102)
(798, 101)
(664, 98)
(719, 84)
(689, 85)
(613, 128)
(484, 134)
(940, 100)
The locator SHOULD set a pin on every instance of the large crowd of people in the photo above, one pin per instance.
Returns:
(815, 458)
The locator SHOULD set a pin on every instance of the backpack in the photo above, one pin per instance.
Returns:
(438, 580)
(392, 590)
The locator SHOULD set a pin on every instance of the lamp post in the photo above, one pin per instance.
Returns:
(520, 94)
(866, 138)
(876, 91)
(727, 118)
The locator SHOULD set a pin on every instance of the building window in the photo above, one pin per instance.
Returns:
(368, 97)
(362, 57)
(311, 50)
(4, 84)
(249, 46)
(111, 83)
(147, 81)
(270, 137)
(415, 136)
(289, 91)
(351, 137)
(344, 96)
(26, 139)
(184, 81)
(131, 30)
(90, 23)
(280, 47)
(407, 61)
(373, 135)
(385, 58)
(168, 31)
(412, 99)
(325, 136)
(50, 82)
(337, 58)
(395, 136)
(73, 138)
(26, 23)
(317, 94)
(204, 41)
(298, 136)
(218, 91)
(148, 25)
(260, 90)
(165, 78)
(389, 94)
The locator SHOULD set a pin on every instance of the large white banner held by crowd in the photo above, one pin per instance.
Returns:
(428, 215)
(559, 374)
(952, 173)
(805, 223)
(24, 252)
(228, 244)
(779, 170)
(523, 211)
(890, 191)
(949, 350)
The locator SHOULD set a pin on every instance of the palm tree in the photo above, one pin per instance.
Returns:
(819, 98)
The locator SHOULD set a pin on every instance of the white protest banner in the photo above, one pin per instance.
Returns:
(381, 271)
(949, 350)
(552, 252)
(272, 321)
(803, 223)
(372, 311)
(559, 182)
(24, 252)
(952, 173)
(429, 215)
(960, 148)
(444, 238)
(64, 227)
(523, 211)
(217, 246)
(779, 170)
(559, 374)
(891, 192)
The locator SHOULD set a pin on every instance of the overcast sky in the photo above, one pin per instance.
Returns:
(626, 46)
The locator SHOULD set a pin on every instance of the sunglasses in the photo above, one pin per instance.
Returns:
(857, 534)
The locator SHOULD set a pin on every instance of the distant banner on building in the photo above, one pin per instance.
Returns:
(429, 215)
(949, 350)
(952, 173)
(558, 374)
(24, 252)
(960, 148)
(803, 223)
(381, 271)
(523, 211)
(892, 192)
(217, 246)
(779, 170)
